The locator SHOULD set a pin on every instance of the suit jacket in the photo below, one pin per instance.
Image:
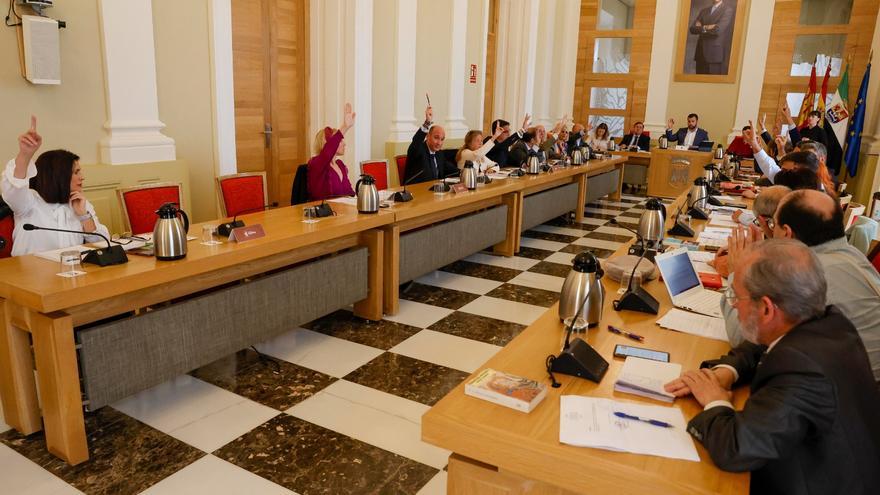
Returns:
(500, 154)
(812, 422)
(519, 153)
(712, 44)
(644, 142)
(681, 134)
(418, 159)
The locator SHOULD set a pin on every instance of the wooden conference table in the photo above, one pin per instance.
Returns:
(500, 450)
(51, 311)
(36, 303)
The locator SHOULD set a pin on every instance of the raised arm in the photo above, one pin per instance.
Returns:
(14, 184)
(28, 144)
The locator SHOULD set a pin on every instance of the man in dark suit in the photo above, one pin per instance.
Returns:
(500, 153)
(424, 160)
(712, 26)
(812, 421)
(578, 136)
(636, 138)
(690, 136)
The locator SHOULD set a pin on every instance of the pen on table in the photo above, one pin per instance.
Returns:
(631, 335)
(654, 422)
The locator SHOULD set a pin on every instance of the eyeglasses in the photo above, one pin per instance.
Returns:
(126, 238)
(769, 220)
(731, 297)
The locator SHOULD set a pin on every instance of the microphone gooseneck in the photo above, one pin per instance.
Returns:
(29, 227)
(408, 181)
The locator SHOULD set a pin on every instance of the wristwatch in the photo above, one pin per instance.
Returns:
(84, 218)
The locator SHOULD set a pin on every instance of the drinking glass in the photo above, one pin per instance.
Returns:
(309, 215)
(71, 264)
(208, 235)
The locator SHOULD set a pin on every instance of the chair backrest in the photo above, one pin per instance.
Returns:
(7, 225)
(379, 170)
(874, 255)
(299, 191)
(401, 168)
(139, 204)
(244, 192)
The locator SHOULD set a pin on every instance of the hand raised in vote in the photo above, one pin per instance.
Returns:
(498, 132)
(30, 141)
(429, 114)
(347, 119)
(526, 120)
(705, 386)
(786, 112)
(739, 242)
(670, 124)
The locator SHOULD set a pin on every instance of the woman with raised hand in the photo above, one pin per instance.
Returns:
(47, 192)
(327, 174)
(474, 150)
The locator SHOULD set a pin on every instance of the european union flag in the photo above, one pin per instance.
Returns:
(856, 125)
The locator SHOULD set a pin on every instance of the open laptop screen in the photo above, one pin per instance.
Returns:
(678, 272)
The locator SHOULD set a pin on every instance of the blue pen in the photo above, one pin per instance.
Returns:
(643, 420)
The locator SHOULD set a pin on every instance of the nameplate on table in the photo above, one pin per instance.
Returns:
(247, 233)
(459, 188)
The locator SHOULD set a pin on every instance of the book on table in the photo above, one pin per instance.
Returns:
(507, 390)
(646, 378)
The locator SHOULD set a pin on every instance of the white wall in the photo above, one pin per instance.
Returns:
(383, 76)
(477, 30)
(432, 61)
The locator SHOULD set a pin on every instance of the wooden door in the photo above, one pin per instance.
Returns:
(491, 58)
(270, 74)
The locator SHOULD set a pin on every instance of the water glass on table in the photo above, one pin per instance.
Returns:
(71, 264)
(208, 235)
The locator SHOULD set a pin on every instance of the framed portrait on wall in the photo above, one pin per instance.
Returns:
(709, 39)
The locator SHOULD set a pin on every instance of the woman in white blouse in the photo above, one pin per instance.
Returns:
(599, 139)
(47, 193)
(475, 151)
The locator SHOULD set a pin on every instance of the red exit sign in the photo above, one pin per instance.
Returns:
(473, 75)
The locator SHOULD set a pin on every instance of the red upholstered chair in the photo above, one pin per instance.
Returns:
(7, 225)
(379, 170)
(244, 192)
(139, 204)
(401, 168)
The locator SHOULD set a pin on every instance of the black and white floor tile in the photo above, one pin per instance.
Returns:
(334, 406)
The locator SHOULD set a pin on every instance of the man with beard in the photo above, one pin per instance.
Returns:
(812, 420)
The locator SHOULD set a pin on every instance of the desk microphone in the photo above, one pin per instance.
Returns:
(226, 228)
(443, 187)
(405, 196)
(696, 212)
(113, 255)
(637, 299)
(681, 229)
(577, 358)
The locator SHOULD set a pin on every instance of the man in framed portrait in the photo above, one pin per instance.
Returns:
(712, 27)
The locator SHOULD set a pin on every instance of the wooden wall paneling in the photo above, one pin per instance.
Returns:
(491, 61)
(786, 16)
(289, 62)
(250, 36)
(641, 39)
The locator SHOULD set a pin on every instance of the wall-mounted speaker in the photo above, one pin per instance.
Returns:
(41, 50)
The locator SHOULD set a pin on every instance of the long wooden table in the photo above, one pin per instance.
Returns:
(428, 208)
(499, 450)
(36, 304)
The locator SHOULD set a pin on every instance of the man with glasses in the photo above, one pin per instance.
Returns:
(815, 219)
(812, 421)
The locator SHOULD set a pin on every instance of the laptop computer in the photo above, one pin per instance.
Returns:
(684, 286)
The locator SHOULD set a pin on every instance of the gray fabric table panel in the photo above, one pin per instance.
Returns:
(602, 185)
(127, 356)
(546, 205)
(425, 250)
(635, 174)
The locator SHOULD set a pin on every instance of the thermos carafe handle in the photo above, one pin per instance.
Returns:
(185, 221)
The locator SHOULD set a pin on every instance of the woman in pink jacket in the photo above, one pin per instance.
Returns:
(328, 176)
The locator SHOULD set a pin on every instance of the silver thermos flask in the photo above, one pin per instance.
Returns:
(469, 175)
(582, 289)
(663, 142)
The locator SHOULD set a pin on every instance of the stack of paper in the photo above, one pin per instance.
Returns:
(701, 259)
(714, 237)
(694, 324)
(721, 220)
(590, 422)
(646, 378)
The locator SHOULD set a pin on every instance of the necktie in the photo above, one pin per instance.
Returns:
(434, 164)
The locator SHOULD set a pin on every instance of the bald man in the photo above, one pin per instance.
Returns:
(811, 423)
(815, 219)
(424, 160)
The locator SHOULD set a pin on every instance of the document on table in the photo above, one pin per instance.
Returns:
(55, 254)
(694, 324)
(701, 259)
(590, 422)
(721, 220)
(646, 378)
(715, 237)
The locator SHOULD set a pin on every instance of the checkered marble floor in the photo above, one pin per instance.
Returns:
(334, 406)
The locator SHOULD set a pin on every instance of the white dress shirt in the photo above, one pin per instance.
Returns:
(29, 207)
(478, 156)
(689, 138)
